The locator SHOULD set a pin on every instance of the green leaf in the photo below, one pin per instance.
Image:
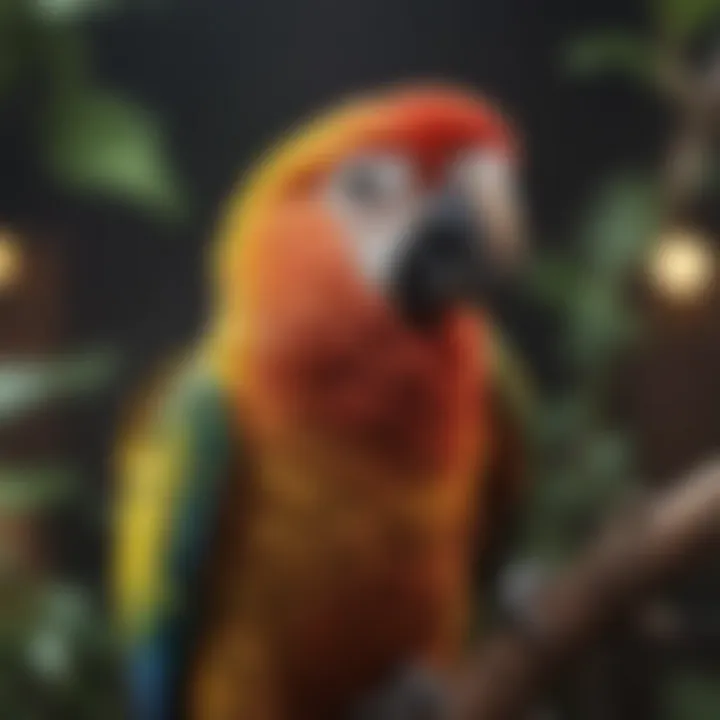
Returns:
(103, 145)
(28, 385)
(691, 697)
(69, 11)
(560, 421)
(682, 19)
(607, 461)
(620, 225)
(49, 656)
(592, 485)
(600, 325)
(58, 656)
(611, 51)
(554, 281)
(577, 492)
(63, 53)
(30, 489)
(55, 53)
(11, 51)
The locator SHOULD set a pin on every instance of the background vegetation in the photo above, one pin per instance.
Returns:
(83, 144)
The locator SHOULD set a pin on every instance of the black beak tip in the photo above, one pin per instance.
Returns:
(441, 265)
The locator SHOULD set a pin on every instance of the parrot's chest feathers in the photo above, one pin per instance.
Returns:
(356, 572)
(382, 395)
(342, 577)
(355, 556)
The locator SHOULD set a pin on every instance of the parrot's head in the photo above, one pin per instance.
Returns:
(391, 217)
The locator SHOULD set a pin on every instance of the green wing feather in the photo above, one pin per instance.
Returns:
(174, 466)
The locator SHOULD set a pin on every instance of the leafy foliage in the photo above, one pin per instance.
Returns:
(692, 696)
(26, 386)
(612, 51)
(621, 222)
(584, 458)
(100, 143)
(589, 291)
(29, 386)
(56, 656)
(29, 489)
(682, 19)
(70, 10)
(582, 462)
(676, 23)
(89, 140)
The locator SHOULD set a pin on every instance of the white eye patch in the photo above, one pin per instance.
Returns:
(377, 198)
(489, 180)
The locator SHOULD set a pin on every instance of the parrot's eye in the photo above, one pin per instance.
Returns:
(490, 181)
(376, 198)
(375, 183)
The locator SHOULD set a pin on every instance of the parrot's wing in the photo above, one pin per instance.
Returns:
(174, 465)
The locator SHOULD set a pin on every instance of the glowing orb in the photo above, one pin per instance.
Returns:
(682, 265)
(10, 261)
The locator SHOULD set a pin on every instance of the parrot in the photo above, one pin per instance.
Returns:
(305, 495)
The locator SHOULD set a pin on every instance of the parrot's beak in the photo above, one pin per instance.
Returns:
(446, 260)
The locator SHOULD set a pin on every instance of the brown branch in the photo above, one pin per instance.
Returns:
(694, 95)
(634, 557)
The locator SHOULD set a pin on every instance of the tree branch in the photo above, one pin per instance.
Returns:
(635, 556)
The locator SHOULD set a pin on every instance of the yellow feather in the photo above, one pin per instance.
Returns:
(148, 461)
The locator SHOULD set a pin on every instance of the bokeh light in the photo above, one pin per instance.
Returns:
(682, 265)
(10, 260)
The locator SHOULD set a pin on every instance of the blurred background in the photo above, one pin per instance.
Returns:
(123, 126)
